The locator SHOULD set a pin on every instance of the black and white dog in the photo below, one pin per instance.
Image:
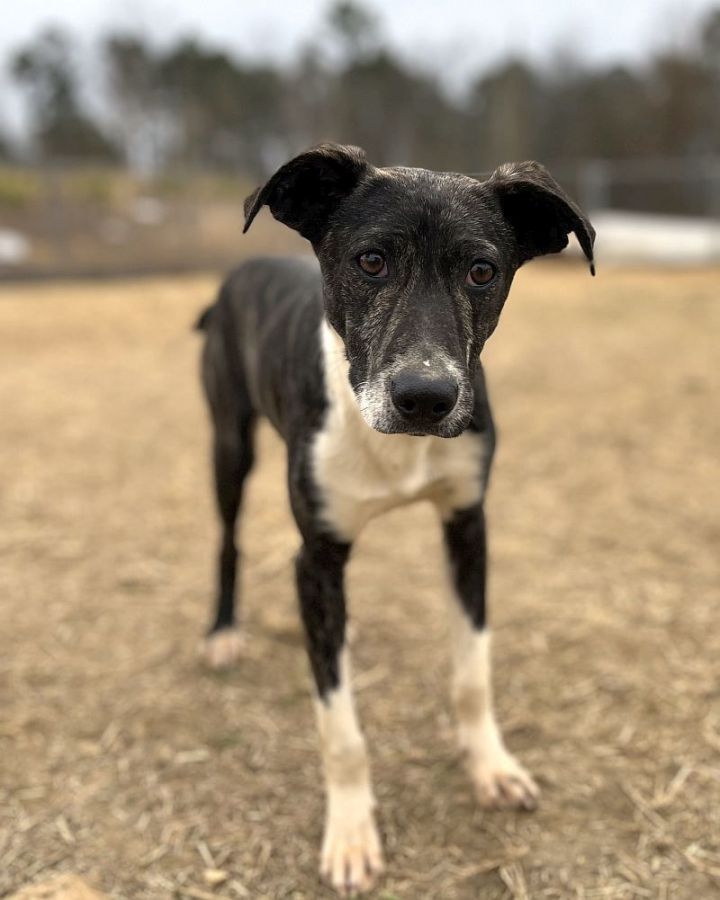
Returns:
(368, 367)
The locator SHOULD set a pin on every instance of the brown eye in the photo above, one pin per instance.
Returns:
(481, 273)
(373, 264)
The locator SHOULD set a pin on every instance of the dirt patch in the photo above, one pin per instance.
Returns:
(60, 887)
(123, 760)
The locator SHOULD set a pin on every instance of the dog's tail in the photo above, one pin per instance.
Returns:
(204, 318)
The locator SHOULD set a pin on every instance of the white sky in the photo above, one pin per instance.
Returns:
(453, 37)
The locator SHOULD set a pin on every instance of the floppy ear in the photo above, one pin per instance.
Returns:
(540, 212)
(305, 192)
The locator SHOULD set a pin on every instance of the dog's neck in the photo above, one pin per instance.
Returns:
(336, 368)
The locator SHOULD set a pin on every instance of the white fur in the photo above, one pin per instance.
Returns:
(498, 778)
(351, 854)
(223, 648)
(362, 473)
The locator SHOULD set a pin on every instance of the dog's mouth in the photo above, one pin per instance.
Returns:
(443, 430)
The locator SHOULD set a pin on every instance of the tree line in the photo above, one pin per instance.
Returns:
(194, 105)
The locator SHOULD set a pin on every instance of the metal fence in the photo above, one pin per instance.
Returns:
(661, 186)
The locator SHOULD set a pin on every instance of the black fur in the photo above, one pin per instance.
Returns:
(319, 571)
(203, 320)
(263, 353)
(466, 546)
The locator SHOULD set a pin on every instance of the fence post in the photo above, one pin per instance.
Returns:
(594, 184)
(712, 174)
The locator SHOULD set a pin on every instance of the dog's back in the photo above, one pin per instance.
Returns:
(264, 325)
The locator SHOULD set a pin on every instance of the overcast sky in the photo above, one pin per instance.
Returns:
(476, 31)
(455, 37)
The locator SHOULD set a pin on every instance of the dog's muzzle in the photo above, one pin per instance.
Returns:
(413, 398)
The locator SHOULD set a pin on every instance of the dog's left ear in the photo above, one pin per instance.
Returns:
(540, 212)
(305, 192)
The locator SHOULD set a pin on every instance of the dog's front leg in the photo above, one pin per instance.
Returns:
(498, 778)
(351, 855)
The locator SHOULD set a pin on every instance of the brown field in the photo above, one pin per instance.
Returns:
(123, 760)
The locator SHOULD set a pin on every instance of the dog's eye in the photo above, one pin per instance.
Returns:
(481, 273)
(373, 264)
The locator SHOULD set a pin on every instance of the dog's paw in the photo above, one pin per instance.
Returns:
(502, 783)
(351, 857)
(222, 648)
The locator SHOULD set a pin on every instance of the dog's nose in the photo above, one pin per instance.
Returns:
(420, 397)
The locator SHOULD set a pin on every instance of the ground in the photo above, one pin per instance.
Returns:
(125, 761)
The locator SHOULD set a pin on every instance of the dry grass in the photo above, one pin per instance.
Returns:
(122, 760)
(86, 221)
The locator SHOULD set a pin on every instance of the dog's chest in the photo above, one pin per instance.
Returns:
(361, 473)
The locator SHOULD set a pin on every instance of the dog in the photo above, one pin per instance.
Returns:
(368, 366)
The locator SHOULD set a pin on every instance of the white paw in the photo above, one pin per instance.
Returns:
(351, 857)
(222, 648)
(502, 783)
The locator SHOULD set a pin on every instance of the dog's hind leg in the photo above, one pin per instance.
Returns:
(498, 778)
(233, 420)
(351, 856)
(233, 457)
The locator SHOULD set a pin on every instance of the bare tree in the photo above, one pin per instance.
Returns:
(61, 127)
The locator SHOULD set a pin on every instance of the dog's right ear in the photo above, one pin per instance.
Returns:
(540, 212)
(305, 192)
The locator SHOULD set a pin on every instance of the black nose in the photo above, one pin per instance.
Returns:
(420, 397)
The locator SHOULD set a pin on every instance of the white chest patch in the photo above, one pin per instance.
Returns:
(362, 473)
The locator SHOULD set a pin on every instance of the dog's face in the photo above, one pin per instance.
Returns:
(416, 267)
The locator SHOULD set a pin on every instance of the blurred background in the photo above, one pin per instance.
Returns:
(130, 133)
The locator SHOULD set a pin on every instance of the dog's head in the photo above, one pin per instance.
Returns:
(416, 266)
